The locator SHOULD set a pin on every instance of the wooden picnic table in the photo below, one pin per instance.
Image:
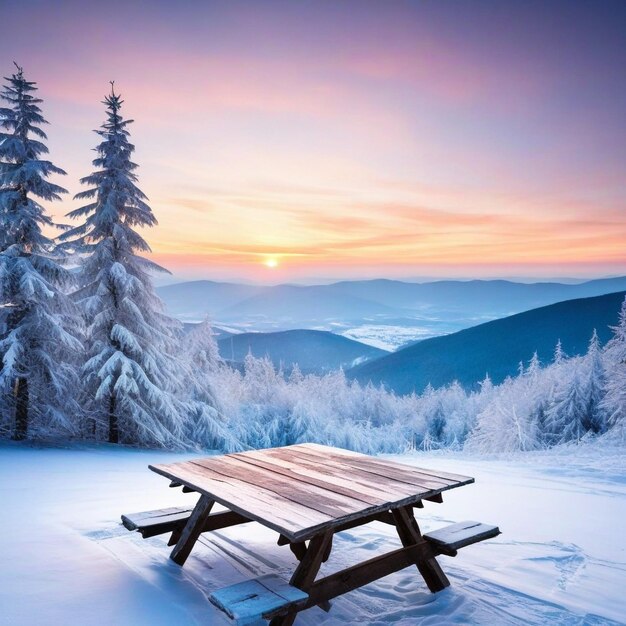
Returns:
(306, 493)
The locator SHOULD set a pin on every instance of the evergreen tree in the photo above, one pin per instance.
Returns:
(614, 401)
(201, 351)
(566, 417)
(131, 374)
(205, 425)
(559, 354)
(36, 349)
(593, 381)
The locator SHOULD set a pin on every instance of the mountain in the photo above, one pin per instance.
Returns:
(296, 304)
(199, 298)
(312, 350)
(488, 297)
(494, 347)
(444, 305)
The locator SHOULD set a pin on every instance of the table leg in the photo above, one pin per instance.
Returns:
(307, 570)
(299, 549)
(192, 530)
(409, 533)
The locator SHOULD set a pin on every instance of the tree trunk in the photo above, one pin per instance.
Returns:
(21, 409)
(114, 434)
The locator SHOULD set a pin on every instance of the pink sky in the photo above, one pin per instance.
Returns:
(350, 139)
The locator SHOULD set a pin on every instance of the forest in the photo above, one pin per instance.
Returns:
(88, 351)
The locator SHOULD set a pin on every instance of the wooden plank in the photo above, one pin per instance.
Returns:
(389, 479)
(457, 536)
(192, 530)
(136, 521)
(380, 484)
(254, 598)
(336, 484)
(385, 465)
(240, 491)
(321, 500)
(395, 472)
(409, 534)
(395, 476)
(350, 453)
(284, 516)
(153, 525)
(310, 472)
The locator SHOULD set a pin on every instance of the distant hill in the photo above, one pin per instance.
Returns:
(494, 297)
(447, 304)
(495, 347)
(299, 302)
(199, 298)
(312, 350)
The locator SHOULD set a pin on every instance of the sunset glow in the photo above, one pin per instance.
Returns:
(350, 139)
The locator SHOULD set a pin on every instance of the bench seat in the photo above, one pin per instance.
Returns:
(161, 521)
(451, 538)
(253, 599)
(151, 523)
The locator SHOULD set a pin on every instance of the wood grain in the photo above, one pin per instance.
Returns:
(304, 489)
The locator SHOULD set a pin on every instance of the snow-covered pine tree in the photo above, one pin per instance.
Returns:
(614, 401)
(566, 416)
(593, 381)
(131, 374)
(201, 350)
(36, 349)
(206, 425)
(559, 354)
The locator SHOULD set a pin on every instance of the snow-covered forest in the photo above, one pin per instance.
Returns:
(88, 352)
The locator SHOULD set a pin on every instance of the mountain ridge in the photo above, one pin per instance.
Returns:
(494, 347)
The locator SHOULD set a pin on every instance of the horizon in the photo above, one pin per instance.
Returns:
(286, 142)
(320, 281)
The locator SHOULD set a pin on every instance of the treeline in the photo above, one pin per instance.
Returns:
(569, 400)
(87, 351)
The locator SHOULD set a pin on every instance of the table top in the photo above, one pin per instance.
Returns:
(303, 489)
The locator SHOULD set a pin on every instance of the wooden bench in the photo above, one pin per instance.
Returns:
(257, 598)
(449, 539)
(269, 596)
(161, 521)
(307, 493)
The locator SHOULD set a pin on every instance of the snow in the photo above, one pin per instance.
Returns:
(561, 558)
(390, 337)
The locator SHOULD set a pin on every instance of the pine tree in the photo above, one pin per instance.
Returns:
(559, 354)
(566, 416)
(131, 374)
(614, 401)
(593, 381)
(36, 349)
(202, 353)
(206, 425)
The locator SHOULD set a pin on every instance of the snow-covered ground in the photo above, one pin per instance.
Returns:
(65, 559)
(388, 337)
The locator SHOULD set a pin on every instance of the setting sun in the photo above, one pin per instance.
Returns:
(272, 262)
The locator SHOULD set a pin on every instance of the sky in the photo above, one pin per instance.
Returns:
(304, 141)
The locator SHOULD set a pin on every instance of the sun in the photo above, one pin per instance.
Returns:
(271, 262)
